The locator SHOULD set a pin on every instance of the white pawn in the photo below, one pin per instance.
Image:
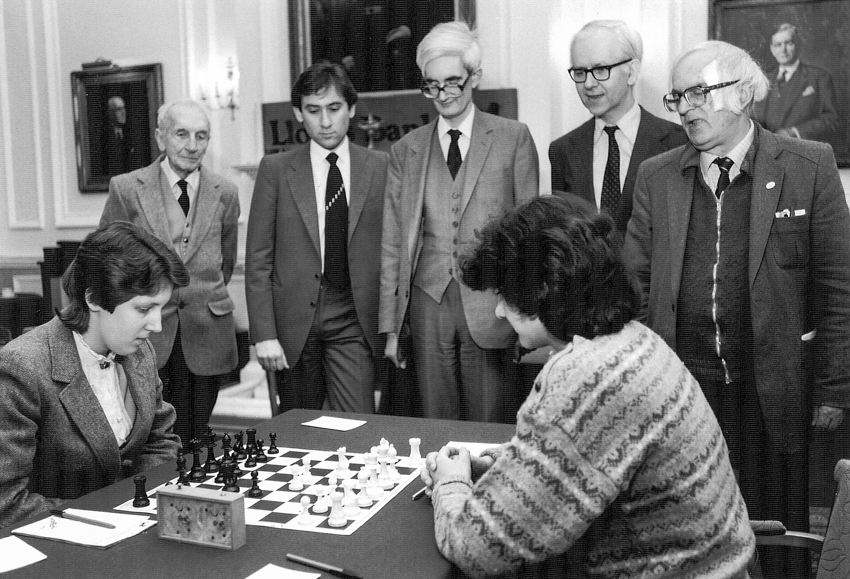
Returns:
(384, 476)
(392, 459)
(304, 517)
(296, 484)
(350, 508)
(362, 478)
(332, 482)
(321, 505)
(306, 475)
(415, 457)
(373, 488)
(336, 518)
(363, 499)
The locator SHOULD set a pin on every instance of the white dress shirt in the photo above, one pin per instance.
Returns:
(463, 140)
(626, 135)
(321, 168)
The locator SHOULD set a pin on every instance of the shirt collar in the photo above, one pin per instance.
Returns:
(629, 123)
(737, 154)
(193, 178)
(319, 153)
(89, 357)
(465, 126)
(789, 68)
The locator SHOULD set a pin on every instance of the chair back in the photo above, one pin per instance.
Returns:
(835, 553)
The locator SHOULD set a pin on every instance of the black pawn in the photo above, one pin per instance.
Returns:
(260, 456)
(230, 485)
(197, 474)
(236, 470)
(273, 449)
(182, 479)
(250, 462)
(255, 492)
(210, 465)
(140, 499)
(223, 467)
(181, 463)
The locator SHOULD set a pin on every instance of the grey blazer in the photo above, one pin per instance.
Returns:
(204, 309)
(501, 172)
(55, 441)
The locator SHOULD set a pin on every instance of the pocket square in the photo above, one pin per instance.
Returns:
(810, 90)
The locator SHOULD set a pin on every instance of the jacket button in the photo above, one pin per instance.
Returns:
(312, 304)
(181, 305)
(316, 276)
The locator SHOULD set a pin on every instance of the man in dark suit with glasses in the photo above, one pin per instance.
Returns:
(599, 160)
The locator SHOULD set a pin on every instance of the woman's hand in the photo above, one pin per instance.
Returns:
(450, 461)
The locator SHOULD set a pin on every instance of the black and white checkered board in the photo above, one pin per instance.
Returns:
(280, 507)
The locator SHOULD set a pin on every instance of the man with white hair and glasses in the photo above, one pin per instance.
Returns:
(599, 160)
(741, 243)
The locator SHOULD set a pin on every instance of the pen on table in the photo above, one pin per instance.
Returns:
(419, 494)
(338, 571)
(81, 519)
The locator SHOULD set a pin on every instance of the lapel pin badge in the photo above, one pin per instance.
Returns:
(771, 185)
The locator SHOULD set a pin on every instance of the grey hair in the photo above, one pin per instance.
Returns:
(450, 39)
(629, 39)
(163, 119)
(786, 27)
(734, 63)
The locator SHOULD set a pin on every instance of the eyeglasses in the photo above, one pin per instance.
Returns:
(579, 75)
(452, 88)
(694, 96)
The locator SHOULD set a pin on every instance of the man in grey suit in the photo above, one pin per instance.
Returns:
(313, 254)
(194, 212)
(445, 180)
(606, 59)
(741, 243)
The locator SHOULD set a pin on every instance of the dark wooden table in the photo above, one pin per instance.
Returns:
(397, 542)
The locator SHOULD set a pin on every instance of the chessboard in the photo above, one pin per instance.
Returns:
(296, 488)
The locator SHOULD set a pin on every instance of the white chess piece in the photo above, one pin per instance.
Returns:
(306, 476)
(350, 508)
(415, 457)
(373, 488)
(363, 499)
(321, 505)
(304, 517)
(342, 463)
(336, 518)
(297, 483)
(392, 459)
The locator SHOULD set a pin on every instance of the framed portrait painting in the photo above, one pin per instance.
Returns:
(803, 46)
(114, 121)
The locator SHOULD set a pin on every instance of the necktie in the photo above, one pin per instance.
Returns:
(454, 159)
(336, 227)
(183, 200)
(780, 82)
(724, 164)
(611, 179)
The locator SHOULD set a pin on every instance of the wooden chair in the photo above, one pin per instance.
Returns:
(834, 546)
(271, 382)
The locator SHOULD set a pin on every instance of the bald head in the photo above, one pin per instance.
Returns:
(183, 133)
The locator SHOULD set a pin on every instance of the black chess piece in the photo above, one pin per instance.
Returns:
(252, 439)
(210, 465)
(250, 462)
(241, 454)
(140, 499)
(273, 449)
(255, 492)
(260, 456)
(181, 462)
(223, 466)
(182, 479)
(230, 478)
(197, 473)
(235, 459)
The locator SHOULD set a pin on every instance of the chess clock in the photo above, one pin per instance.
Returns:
(211, 518)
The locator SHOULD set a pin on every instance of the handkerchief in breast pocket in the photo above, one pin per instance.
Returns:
(810, 90)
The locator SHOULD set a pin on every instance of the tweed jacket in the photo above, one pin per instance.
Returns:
(810, 106)
(55, 441)
(501, 172)
(204, 309)
(283, 260)
(798, 271)
(571, 157)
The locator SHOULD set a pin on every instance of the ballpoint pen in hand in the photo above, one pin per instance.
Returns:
(80, 519)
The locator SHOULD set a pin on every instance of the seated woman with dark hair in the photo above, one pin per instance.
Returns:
(615, 446)
(81, 399)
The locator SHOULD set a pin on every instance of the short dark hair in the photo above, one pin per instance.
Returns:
(113, 265)
(319, 77)
(556, 259)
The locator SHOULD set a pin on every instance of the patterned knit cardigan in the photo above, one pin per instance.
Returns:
(617, 441)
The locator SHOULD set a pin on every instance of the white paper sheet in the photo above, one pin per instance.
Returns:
(333, 423)
(274, 572)
(77, 533)
(15, 554)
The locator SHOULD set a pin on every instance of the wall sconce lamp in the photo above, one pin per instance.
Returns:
(221, 90)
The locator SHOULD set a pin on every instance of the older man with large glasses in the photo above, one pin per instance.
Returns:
(599, 160)
(741, 243)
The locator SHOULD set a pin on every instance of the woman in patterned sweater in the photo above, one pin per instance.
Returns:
(615, 447)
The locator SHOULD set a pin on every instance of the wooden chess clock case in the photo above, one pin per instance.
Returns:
(205, 517)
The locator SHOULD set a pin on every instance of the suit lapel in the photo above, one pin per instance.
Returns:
(206, 205)
(149, 195)
(584, 147)
(299, 176)
(680, 196)
(418, 160)
(792, 91)
(479, 147)
(138, 391)
(361, 177)
(79, 399)
(767, 186)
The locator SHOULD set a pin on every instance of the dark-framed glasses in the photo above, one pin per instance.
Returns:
(694, 96)
(603, 72)
(452, 88)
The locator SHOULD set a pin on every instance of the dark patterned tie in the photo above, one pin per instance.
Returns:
(611, 179)
(183, 200)
(336, 228)
(724, 164)
(780, 82)
(454, 159)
